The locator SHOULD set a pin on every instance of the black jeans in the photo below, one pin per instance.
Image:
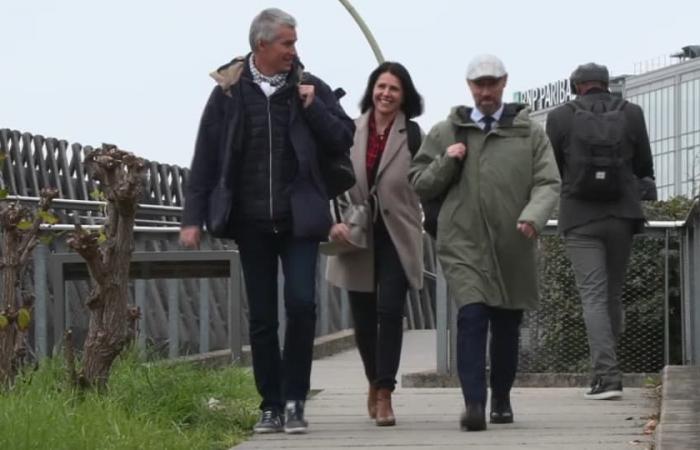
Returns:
(378, 315)
(280, 377)
(472, 330)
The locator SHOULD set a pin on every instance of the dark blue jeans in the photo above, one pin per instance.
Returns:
(280, 376)
(473, 323)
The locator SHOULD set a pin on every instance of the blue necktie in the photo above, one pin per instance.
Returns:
(488, 121)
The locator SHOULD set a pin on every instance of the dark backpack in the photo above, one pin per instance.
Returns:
(594, 162)
(431, 208)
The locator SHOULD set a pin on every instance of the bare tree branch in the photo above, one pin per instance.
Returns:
(21, 228)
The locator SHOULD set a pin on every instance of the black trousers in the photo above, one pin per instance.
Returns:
(378, 315)
(280, 377)
(473, 322)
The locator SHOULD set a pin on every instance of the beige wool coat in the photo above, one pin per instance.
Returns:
(397, 203)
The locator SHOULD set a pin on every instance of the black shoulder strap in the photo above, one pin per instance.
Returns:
(302, 76)
(461, 134)
(576, 105)
(621, 103)
(617, 104)
(413, 137)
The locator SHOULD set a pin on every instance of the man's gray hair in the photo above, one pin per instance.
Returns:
(265, 24)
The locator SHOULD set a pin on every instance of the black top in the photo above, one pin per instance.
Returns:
(321, 127)
(636, 151)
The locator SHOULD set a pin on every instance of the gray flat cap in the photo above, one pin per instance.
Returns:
(485, 66)
(590, 72)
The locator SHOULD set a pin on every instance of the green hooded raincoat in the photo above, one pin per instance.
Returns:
(509, 175)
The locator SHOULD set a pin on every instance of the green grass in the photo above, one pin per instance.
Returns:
(145, 407)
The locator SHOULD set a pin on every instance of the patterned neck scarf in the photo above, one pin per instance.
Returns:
(276, 81)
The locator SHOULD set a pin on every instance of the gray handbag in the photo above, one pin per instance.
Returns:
(358, 218)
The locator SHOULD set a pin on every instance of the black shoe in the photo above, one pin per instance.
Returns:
(474, 418)
(294, 418)
(271, 421)
(501, 411)
(601, 390)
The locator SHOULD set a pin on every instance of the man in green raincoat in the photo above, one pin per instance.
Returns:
(497, 171)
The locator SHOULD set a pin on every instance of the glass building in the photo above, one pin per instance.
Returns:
(670, 98)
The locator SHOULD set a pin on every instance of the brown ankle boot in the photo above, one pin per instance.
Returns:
(372, 402)
(385, 413)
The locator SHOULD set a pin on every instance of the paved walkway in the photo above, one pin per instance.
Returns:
(556, 418)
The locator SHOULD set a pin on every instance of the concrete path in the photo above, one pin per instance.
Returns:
(556, 418)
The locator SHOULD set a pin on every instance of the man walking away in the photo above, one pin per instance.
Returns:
(603, 154)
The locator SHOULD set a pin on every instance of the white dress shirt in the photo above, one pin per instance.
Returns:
(477, 117)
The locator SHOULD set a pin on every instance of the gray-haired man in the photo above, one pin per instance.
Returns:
(271, 128)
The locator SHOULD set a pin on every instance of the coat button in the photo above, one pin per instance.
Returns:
(386, 212)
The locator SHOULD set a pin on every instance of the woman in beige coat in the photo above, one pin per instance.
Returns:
(379, 277)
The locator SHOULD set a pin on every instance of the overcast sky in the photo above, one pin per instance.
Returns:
(135, 73)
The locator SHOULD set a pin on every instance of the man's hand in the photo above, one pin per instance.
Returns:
(527, 230)
(340, 233)
(189, 236)
(307, 93)
(458, 151)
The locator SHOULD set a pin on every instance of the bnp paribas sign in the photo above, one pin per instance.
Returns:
(547, 96)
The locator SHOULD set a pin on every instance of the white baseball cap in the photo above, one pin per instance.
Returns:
(485, 66)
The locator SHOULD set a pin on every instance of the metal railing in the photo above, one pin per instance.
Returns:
(187, 305)
(170, 266)
(661, 292)
(33, 162)
(690, 286)
(666, 321)
(177, 308)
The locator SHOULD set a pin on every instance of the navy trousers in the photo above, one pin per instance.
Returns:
(473, 322)
(280, 376)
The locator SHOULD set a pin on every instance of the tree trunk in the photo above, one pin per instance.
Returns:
(108, 333)
(110, 318)
(108, 256)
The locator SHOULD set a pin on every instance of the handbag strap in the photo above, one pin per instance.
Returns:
(372, 204)
(373, 201)
(336, 210)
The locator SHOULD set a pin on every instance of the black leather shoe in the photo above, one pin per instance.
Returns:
(474, 418)
(601, 390)
(501, 411)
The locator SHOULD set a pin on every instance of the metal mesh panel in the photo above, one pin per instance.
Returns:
(554, 337)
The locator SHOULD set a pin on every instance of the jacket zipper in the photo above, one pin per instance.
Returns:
(269, 130)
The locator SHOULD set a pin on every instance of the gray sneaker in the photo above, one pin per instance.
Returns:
(270, 422)
(294, 422)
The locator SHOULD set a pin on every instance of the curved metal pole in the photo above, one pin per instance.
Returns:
(365, 30)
